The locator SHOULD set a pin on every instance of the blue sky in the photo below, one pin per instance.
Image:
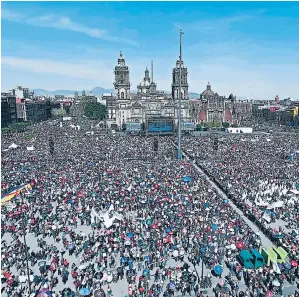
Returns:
(246, 48)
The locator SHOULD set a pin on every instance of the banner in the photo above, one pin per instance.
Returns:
(14, 192)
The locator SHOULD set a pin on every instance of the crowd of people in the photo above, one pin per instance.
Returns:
(261, 173)
(109, 216)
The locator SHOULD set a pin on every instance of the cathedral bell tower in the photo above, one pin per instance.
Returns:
(122, 79)
(175, 86)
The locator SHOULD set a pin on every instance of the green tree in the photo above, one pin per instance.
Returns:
(5, 130)
(198, 127)
(95, 110)
(58, 112)
(225, 125)
(216, 124)
(14, 127)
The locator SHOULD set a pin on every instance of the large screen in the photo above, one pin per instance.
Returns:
(160, 126)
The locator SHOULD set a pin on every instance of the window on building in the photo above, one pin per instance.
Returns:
(122, 95)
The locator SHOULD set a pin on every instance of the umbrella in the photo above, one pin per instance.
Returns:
(214, 227)
(187, 179)
(276, 283)
(175, 253)
(225, 201)
(206, 205)
(240, 245)
(130, 234)
(147, 258)
(218, 269)
(84, 292)
(294, 263)
(145, 271)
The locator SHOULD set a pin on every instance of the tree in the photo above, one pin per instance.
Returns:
(225, 125)
(58, 112)
(15, 127)
(198, 127)
(5, 130)
(95, 110)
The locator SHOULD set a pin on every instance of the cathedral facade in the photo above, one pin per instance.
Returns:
(212, 107)
(127, 107)
(124, 106)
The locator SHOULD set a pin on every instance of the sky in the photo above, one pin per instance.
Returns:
(250, 49)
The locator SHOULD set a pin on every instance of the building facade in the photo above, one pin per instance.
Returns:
(212, 107)
(125, 107)
(22, 93)
(8, 109)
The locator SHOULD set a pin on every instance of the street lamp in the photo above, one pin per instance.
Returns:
(180, 102)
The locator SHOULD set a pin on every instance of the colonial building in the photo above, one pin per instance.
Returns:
(8, 109)
(215, 108)
(148, 103)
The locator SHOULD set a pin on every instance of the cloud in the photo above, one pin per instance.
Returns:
(229, 74)
(213, 25)
(64, 23)
(80, 70)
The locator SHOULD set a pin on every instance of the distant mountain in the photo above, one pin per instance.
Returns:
(97, 91)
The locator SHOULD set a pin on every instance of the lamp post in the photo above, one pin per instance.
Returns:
(180, 102)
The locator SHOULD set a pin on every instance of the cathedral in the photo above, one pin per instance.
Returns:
(214, 108)
(125, 107)
(148, 103)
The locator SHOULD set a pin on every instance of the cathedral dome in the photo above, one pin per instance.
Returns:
(144, 83)
(208, 91)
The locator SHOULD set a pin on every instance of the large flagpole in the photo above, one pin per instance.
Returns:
(180, 102)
